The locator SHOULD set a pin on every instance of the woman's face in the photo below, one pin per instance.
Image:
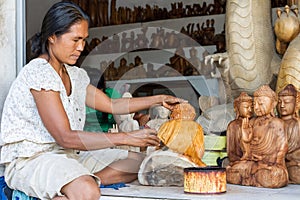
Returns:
(68, 47)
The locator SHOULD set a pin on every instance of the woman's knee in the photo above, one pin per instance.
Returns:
(84, 187)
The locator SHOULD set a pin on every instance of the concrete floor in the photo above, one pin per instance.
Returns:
(234, 192)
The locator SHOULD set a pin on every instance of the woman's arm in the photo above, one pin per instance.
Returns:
(56, 121)
(95, 99)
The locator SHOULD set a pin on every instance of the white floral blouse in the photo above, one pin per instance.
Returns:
(22, 129)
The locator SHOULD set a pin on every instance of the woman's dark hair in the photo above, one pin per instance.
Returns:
(57, 21)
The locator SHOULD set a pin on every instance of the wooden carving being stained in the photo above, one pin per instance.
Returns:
(184, 147)
(182, 134)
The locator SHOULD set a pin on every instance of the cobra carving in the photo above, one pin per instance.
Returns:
(250, 60)
(287, 28)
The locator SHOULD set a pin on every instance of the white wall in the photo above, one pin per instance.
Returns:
(7, 47)
(7, 50)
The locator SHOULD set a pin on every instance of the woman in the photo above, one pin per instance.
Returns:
(46, 152)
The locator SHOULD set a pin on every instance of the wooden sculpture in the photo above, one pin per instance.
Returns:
(288, 102)
(184, 147)
(287, 43)
(179, 62)
(110, 72)
(123, 67)
(194, 61)
(157, 39)
(237, 148)
(250, 46)
(264, 166)
(286, 28)
(182, 134)
(139, 71)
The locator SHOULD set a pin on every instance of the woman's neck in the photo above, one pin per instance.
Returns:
(58, 66)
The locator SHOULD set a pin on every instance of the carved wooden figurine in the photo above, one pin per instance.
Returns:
(185, 141)
(288, 111)
(287, 31)
(123, 68)
(157, 41)
(111, 72)
(103, 12)
(142, 41)
(194, 61)
(172, 40)
(286, 28)
(151, 72)
(209, 32)
(139, 70)
(92, 10)
(237, 147)
(127, 43)
(265, 166)
(114, 44)
(178, 61)
(182, 134)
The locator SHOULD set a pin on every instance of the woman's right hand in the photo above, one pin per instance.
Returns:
(142, 138)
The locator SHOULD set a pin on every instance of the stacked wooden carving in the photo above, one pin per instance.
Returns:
(264, 149)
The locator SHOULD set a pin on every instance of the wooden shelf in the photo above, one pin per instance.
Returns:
(170, 24)
(156, 57)
(203, 86)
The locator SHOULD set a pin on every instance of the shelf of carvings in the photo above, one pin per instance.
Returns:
(198, 85)
(182, 27)
(158, 56)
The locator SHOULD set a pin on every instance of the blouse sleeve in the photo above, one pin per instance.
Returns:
(40, 75)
